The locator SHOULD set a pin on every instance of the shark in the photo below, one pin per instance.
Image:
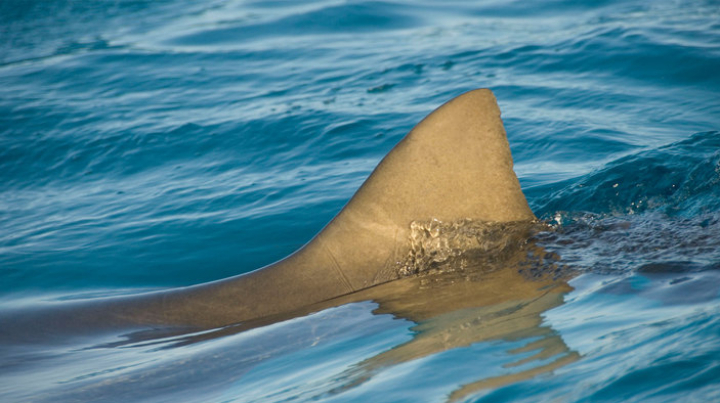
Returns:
(453, 170)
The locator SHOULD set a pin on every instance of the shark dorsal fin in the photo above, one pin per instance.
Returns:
(455, 164)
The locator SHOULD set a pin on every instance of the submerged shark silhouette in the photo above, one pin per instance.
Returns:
(455, 166)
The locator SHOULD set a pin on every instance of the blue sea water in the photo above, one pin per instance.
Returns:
(154, 144)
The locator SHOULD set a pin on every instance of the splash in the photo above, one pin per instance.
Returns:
(466, 245)
(606, 244)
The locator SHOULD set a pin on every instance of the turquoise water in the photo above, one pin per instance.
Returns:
(153, 144)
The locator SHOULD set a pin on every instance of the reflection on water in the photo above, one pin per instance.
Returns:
(457, 310)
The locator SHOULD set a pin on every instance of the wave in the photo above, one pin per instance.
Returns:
(682, 178)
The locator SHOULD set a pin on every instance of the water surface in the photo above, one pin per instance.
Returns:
(154, 144)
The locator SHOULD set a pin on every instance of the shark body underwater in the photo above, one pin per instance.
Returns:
(455, 166)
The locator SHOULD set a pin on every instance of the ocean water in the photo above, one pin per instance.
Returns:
(154, 144)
